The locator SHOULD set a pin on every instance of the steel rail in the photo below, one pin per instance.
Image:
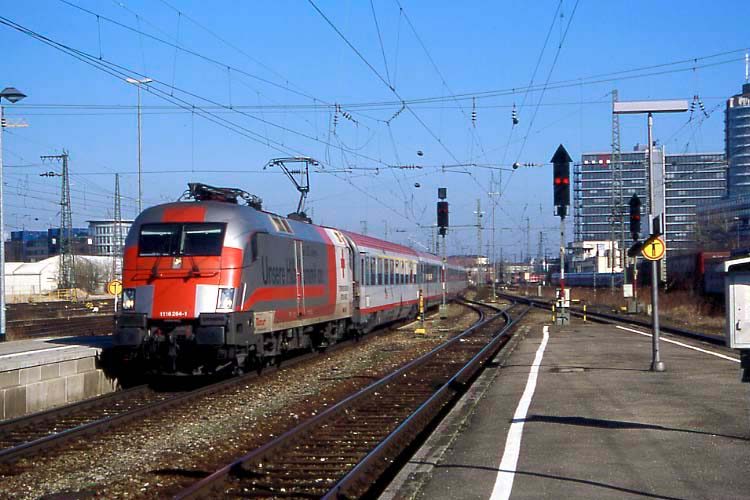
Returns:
(213, 484)
(357, 481)
(95, 426)
(614, 318)
(13, 425)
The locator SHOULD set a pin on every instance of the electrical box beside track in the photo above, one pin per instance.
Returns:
(737, 296)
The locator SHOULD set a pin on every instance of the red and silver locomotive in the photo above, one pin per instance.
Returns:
(215, 283)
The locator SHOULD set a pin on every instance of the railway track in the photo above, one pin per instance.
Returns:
(32, 434)
(352, 448)
(614, 318)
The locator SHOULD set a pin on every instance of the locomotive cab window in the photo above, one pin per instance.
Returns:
(196, 239)
(158, 239)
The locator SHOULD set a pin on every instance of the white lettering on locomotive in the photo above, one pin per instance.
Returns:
(173, 314)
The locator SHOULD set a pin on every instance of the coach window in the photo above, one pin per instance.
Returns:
(379, 270)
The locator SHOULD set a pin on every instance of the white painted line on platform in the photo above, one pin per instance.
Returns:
(722, 356)
(38, 350)
(507, 472)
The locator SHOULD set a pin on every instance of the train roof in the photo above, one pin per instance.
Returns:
(370, 242)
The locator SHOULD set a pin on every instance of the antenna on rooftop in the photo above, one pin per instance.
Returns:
(747, 66)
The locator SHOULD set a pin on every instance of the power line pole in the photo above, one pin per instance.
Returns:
(479, 241)
(364, 227)
(616, 194)
(138, 84)
(528, 239)
(66, 267)
(617, 165)
(494, 192)
(117, 251)
(540, 248)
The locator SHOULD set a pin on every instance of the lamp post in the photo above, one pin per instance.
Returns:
(138, 83)
(12, 95)
(651, 107)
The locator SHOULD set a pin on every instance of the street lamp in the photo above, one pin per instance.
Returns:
(138, 83)
(12, 95)
(651, 107)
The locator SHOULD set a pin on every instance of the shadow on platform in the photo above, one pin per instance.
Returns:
(615, 424)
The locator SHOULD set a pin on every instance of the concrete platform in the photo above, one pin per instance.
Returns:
(597, 424)
(42, 373)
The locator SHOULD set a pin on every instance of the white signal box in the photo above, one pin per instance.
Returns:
(737, 297)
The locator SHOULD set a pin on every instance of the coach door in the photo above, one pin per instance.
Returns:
(299, 265)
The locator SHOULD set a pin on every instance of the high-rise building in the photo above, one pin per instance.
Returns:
(691, 180)
(737, 135)
(105, 235)
(596, 212)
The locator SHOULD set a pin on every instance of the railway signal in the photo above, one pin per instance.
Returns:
(442, 221)
(442, 216)
(635, 216)
(561, 178)
(561, 186)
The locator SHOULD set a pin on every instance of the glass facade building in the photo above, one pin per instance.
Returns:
(737, 130)
(690, 181)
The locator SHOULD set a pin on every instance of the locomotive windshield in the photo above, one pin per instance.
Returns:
(181, 239)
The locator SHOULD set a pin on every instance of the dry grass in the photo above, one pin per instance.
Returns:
(676, 307)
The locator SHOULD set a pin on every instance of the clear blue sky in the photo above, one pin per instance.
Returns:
(282, 68)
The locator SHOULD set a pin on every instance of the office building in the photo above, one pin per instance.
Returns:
(104, 235)
(737, 136)
(690, 180)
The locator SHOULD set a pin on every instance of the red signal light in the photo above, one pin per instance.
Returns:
(558, 180)
(566, 180)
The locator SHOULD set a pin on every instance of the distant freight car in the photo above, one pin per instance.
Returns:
(698, 271)
(588, 279)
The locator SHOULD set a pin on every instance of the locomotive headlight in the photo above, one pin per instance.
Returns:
(128, 299)
(225, 299)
